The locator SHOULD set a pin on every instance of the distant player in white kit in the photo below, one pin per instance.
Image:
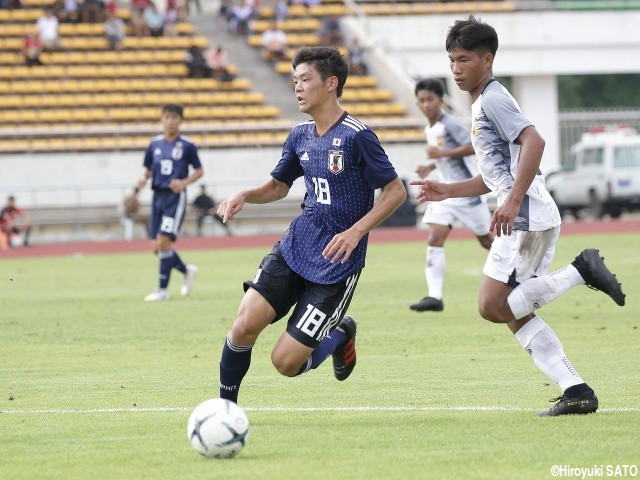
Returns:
(448, 142)
(527, 222)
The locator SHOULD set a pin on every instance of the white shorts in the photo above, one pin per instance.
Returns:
(475, 218)
(521, 256)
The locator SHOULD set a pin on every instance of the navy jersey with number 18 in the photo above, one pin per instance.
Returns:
(341, 169)
(169, 160)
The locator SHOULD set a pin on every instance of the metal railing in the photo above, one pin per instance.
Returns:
(573, 123)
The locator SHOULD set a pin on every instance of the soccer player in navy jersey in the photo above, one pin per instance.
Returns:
(316, 265)
(167, 161)
(516, 281)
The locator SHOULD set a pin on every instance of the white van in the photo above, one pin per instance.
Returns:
(603, 174)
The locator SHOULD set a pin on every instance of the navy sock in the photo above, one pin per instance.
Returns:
(178, 263)
(234, 365)
(326, 347)
(166, 264)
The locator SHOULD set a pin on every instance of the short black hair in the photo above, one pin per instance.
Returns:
(174, 108)
(327, 61)
(432, 84)
(11, 197)
(472, 34)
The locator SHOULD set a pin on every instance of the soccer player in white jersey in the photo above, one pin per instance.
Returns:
(315, 266)
(527, 222)
(448, 142)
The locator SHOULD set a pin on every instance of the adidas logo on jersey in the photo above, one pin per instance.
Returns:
(304, 157)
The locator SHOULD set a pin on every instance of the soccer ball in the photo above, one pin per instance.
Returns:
(218, 428)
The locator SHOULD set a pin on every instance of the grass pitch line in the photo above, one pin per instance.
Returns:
(298, 409)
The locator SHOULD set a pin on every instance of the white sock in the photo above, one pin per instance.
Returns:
(536, 292)
(537, 338)
(434, 271)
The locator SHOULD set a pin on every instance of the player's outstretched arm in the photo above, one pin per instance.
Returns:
(431, 191)
(530, 157)
(342, 244)
(269, 192)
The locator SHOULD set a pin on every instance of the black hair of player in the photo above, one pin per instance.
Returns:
(327, 61)
(174, 108)
(472, 34)
(432, 85)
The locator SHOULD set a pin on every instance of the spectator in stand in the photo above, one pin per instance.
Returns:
(69, 11)
(182, 9)
(218, 62)
(114, 30)
(331, 31)
(240, 18)
(196, 63)
(170, 19)
(110, 6)
(225, 9)
(138, 25)
(13, 221)
(92, 11)
(31, 49)
(204, 207)
(281, 10)
(154, 21)
(274, 42)
(48, 30)
(10, 4)
(356, 58)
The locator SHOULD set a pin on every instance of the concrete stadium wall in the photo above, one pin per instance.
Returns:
(71, 180)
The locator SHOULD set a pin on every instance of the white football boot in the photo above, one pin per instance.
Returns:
(158, 295)
(187, 282)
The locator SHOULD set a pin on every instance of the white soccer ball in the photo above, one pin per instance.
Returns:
(218, 428)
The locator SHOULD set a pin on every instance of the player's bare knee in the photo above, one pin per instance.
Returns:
(284, 365)
(241, 331)
(491, 312)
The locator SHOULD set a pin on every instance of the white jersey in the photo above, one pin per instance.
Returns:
(496, 123)
(448, 132)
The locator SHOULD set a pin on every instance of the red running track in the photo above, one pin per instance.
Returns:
(380, 235)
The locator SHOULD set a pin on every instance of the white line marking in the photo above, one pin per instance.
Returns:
(302, 409)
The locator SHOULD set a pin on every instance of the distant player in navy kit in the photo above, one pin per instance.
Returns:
(516, 281)
(316, 265)
(448, 142)
(167, 161)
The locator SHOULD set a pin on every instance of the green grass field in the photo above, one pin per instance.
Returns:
(84, 363)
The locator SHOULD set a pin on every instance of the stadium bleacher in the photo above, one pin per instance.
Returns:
(103, 99)
(361, 96)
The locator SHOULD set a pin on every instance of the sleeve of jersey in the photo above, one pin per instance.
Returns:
(148, 157)
(194, 158)
(288, 168)
(458, 132)
(378, 170)
(507, 118)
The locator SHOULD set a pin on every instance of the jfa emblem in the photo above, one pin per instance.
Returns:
(176, 154)
(336, 142)
(336, 161)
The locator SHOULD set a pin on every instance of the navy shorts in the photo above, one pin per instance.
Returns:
(318, 308)
(167, 212)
